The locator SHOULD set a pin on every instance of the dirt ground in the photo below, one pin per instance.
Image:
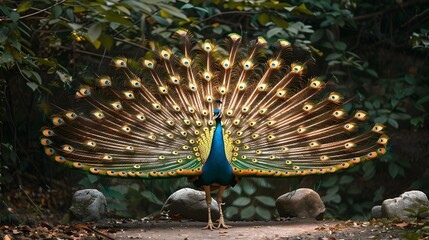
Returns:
(291, 229)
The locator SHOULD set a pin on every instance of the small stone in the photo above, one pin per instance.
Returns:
(376, 211)
(191, 204)
(89, 205)
(302, 203)
(416, 201)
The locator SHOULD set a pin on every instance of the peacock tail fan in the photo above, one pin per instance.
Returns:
(154, 117)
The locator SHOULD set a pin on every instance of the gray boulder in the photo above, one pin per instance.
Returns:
(376, 211)
(396, 207)
(191, 204)
(88, 205)
(302, 203)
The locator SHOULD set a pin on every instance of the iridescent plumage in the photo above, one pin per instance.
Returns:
(161, 117)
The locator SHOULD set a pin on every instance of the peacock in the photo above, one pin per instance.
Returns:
(213, 112)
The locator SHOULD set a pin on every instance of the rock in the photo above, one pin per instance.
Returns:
(413, 200)
(302, 203)
(88, 205)
(376, 211)
(191, 204)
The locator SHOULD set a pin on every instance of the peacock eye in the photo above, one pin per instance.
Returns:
(135, 83)
(126, 129)
(207, 76)
(361, 115)
(207, 47)
(117, 105)
(186, 62)
(67, 148)
(47, 132)
(120, 62)
(71, 115)
(174, 80)
(247, 65)
(242, 86)
(315, 83)
(296, 68)
(192, 87)
(149, 63)
(165, 54)
(140, 117)
(129, 95)
(262, 87)
(274, 64)
(225, 64)
(163, 90)
(57, 121)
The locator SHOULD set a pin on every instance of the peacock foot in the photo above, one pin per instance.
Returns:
(210, 226)
(222, 224)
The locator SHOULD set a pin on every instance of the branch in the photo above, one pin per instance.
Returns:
(35, 13)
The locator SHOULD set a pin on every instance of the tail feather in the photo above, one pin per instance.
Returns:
(154, 117)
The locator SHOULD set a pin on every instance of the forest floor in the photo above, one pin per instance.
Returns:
(188, 230)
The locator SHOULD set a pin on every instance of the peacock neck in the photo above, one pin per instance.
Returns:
(217, 151)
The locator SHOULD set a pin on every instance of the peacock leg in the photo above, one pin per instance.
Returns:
(219, 202)
(209, 203)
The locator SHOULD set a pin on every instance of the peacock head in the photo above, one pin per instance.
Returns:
(218, 111)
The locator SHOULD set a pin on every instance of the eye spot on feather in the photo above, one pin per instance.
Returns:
(315, 83)
(271, 137)
(59, 158)
(361, 115)
(383, 140)
(117, 105)
(45, 141)
(226, 64)
(186, 62)
(165, 54)
(207, 76)
(47, 132)
(98, 114)
(161, 157)
(120, 62)
(163, 90)
(180, 161)
(324, 158)
(247, 65)
(258, 152)
(91, 144)
(349, 126)
(254, 160)
(149, 64)
(126, 129)
(141, 117)
(57, 121)
(152, 137)
(284, 149)
(175, 80)
(272, 157)
(207, 47)
(129, 95)
(295, 167)
(314, 144)
(349, 145)
(129, 148)
(135, 83)
(107, 157)
(301, 130)
(49, 151)
(296, 68)
(274, 64)
(242, 86)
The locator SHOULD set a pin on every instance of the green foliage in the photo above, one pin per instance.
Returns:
(244, 202)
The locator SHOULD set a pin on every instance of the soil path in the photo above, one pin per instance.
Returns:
(293, 229)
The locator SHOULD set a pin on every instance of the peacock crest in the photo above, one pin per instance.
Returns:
(155, 117)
